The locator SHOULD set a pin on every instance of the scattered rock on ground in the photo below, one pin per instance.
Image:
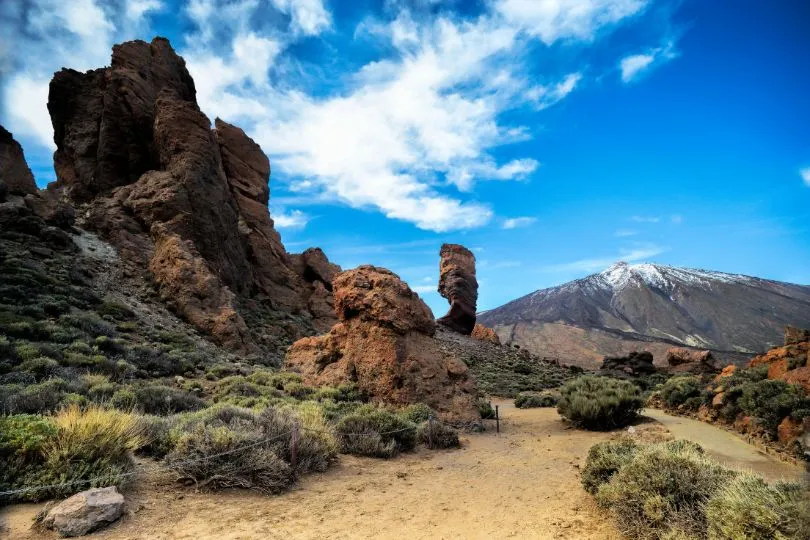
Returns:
(484, 333)
(85, 512)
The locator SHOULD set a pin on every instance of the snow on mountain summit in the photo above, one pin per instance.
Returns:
(621, 274)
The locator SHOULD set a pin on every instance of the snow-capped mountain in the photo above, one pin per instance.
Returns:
(613, 311)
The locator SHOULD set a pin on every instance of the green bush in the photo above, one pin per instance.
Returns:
(527, 400)
(485, 409)
(604, 460)
(599, 403)
(375, 432)
(22, 438)
(662, 490)
(748, 508)
(418, 413)
(345, 392)
(683, 390)
(163, 400)
(769, 401)
(437, 435)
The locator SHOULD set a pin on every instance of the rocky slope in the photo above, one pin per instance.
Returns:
(652, 307)
(184, 205)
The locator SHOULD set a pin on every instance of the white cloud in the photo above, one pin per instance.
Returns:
(600, 263)
(805, 174)
(676, 219)
(646, 219)
(308, 16)
(295, 219)
(514, 223)
(623, 233)
(635, 65)
(425, 289)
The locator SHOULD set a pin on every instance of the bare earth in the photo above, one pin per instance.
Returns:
(523, 483)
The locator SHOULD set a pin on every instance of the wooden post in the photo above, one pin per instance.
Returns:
(294, 445)
(497, 420)
(430, 431)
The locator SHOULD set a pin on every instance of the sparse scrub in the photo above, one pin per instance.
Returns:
(683, 391)
(485, 409)
(527, 400)
(418, 413)
(748, 508)
(435, 435)
(375, 432)
(600, 403)
(604, 460)
(163, 400)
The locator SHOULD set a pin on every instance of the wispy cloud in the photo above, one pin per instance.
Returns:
(425, 289)
(516, 222)
(623, 233)
(646, 219)
(294, 219)
(676, 219)
(633, 66)
(600, 263)
(805, 174)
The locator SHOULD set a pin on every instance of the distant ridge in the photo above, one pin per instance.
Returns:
(652, 306)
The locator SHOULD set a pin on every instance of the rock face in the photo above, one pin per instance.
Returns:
(794, 336)
(633, 365)
(458, 285)
(384, 342)
(186, 203)
(790, 362)
(682, 360)
(14, 171)
(85, 512)
(484, 333)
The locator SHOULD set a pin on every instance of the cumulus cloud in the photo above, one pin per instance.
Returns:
(408, 134)
(295, 219)
(805, 174)
(514, 223)
(633, 66)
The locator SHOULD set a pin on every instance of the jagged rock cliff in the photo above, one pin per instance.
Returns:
(182, 202)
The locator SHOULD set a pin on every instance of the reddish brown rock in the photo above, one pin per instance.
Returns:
(789, 430)
(384, 343)
(677, 356)
(458, 285)
(484, 333)
(727, 371)
(800, 376)
(181, 200)
(794, 335)
(777, 369)
(718, 399)
(14, 171)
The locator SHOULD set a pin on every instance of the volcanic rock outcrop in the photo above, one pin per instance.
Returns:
(384, 343)
(458, 285)
(635, 364)
(184, 201)
(484, 333)
(791, 362)
(14, 171)
(683, 360)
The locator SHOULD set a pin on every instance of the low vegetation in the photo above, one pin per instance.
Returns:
(599, 403)
(527, 400)
(672, 490)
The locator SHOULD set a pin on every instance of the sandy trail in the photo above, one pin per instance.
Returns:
(523, 483)
(727, 448)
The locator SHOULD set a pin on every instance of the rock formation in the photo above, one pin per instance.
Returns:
(14, 171)
(789, 362)
(85, 512)
(794, 336)
(634, 364)
(485, 333)
(384, 343)
(683, 360)
(458, 285)
(183, 201)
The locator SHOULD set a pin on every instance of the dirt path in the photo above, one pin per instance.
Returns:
(523, 483)
(726, 447)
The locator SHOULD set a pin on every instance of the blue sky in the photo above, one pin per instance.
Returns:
(552, 137)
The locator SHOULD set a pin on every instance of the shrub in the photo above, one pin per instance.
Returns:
(88, 322)
(604, 460)
(526, 400)
(418, 413)
(769, 401)
(375, 432)
(158, 432)
(42, 397)
(115, 310)
(682, 390)
(163, 400)
(437, 435)
(41, 367)
(749, 508)
(345, 392)
(485, 409)
(599, 402)
(22, 438)
(664, 488)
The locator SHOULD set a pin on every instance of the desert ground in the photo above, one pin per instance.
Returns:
(521, 483)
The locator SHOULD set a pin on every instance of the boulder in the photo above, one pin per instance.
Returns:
(727, 371)
(184, 202)
(789, 430)
(635, 364)
(384, 343)
(458, 285)
(50, 205)
(85, 512)
(14, 171)
(794, 335)
(484, 333)
(677, 356)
